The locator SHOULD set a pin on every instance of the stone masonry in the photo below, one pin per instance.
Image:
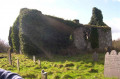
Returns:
(81, 38)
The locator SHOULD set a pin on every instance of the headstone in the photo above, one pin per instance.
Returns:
(43, 75)
(112, 64)
(95, 56)
(39, 63)
(18, 65)
(9, 56)
(34, 58)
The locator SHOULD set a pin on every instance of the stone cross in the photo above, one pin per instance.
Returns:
(9, 56)
(18, 65)
(95, 56)
(112, 64)
(43, 75)
(34, 58)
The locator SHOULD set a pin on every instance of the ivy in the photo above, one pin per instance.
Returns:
(67, 22)
(106, 29)
(15, 36)
(97, 17)
(10, 39)
(94, 38)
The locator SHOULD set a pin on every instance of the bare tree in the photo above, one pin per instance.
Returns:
(3, 46)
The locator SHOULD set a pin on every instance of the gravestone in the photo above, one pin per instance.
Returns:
(43, 75)
(112, 64)
(95, 56)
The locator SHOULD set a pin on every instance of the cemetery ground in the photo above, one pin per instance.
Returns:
(58, 67)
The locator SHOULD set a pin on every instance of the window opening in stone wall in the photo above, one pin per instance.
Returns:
(86, 35)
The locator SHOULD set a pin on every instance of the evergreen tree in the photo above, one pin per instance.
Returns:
(97, 18)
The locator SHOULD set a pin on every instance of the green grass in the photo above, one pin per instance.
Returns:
(58, 67)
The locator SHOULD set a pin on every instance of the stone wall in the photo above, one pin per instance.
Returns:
(105, 38)
(80, 41)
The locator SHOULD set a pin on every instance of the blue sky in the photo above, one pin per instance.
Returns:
(67, 9)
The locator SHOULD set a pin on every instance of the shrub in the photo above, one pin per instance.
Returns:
(116, 44)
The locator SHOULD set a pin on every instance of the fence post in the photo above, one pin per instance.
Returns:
(9, 57)
(34, 58)
(18, 65)
(39, 63)
(43, 75)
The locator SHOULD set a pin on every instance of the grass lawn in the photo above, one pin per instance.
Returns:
(58, 67)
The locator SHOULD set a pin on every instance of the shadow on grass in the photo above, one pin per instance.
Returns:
(86, 58)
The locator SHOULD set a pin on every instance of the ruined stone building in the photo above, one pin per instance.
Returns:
(35, 33)
(82, 37)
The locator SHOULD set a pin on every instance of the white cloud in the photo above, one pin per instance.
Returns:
(115, 0)
(50, 1)
(115, 25)
(115, 36)
(106, 0)
(9, 10)
(62, 13)
(109, 0)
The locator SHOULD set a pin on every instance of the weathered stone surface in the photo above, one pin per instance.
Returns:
(79, 40)
(83, 42)
(105, 38)
(112, 64)
(95, 56)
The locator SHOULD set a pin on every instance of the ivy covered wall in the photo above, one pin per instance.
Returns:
(94, 38)
(98, 37)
